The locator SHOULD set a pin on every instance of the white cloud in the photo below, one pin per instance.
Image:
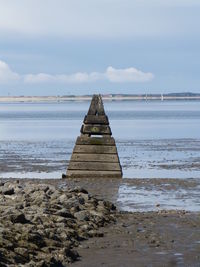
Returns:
(128, 75)
(6, 74)
(111, 75)
(38, 78)
(79, 77)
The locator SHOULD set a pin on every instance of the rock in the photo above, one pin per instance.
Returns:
(86, 197)
(18, 218)
(78, 190)
(94, 233)
(109, 205)
(64, 213)
(81, 200)
(8, 191)
(46, 188)
(22, 252)
(85, 227)
(37, 239)
(97, 213)
(19, 206)
(81, 215)
(75, 209)
(3, 260)
(40, 224)
(61, 198)
(72, 254)
(2, 184)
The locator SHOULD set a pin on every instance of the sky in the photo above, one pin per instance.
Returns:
(60, 47)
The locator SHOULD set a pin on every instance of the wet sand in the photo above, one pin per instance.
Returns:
(154, 238)
(146, 239)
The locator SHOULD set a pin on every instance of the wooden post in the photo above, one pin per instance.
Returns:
(95, 152)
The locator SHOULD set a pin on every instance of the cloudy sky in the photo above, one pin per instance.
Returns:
(56, 47)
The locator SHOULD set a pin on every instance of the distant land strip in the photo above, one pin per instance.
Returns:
(108, 97)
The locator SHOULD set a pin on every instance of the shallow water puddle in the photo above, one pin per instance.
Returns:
(31, 175)
(132, 198)
(178, 254)
(161, 253)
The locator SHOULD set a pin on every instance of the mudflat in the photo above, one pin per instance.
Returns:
(169, 238)
(152, 238)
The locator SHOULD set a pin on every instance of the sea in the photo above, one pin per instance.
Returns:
(155, 139)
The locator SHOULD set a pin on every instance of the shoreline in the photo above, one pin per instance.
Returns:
(50, 99)
(134, 195)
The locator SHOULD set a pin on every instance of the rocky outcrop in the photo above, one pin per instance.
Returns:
(41, 225)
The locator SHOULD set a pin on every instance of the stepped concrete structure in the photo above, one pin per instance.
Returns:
(95, 152)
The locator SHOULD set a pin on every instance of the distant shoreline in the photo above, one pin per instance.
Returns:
(4, 99)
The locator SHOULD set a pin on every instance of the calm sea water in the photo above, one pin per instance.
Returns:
(154, 138)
